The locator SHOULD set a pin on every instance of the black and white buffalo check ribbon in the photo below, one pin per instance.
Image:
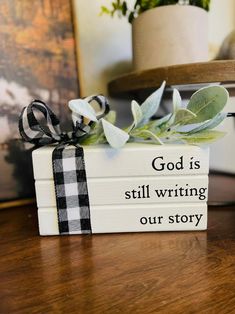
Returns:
(71, 190)
(69, 171)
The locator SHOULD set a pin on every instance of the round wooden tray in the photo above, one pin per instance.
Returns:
(194, 73)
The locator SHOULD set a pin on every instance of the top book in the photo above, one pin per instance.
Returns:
(133, 160)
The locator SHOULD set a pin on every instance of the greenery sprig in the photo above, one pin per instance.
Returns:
(191, 124)
(122, 8)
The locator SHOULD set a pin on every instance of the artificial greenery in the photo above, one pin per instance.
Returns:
(122, 8)
(191, 124)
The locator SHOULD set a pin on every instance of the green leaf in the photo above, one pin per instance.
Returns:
(115, 136)
(204, 4)
(104, 10)
(124, 8)
(177, 101)
(203, 137)
(90, 139)
(136, 112)
(131, 17)
(151, 104)
(111, 117)
(81, 108)
(207, 103)
(145, 134)
(96, 128)
(159, 123)
(210, 124)
(182, 116)
(148, 134)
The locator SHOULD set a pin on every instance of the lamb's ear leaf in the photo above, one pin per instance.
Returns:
(148, 134)
(177, 101)
(151, 104)
(80, 107)
(210, 124)
(115, 136)
(207, 102)
(204, 137)
(182, 116)
(136, 112)
(161, 123)
(97, 128)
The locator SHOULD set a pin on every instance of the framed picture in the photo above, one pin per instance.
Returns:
(37, 61)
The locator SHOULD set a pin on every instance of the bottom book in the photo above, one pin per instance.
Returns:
(134, 218)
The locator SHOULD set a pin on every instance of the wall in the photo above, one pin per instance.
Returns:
(221, 23)
(104, 46)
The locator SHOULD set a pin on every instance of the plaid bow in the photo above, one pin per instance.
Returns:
(69, 171)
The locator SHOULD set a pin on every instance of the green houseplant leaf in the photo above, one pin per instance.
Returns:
(132, 10)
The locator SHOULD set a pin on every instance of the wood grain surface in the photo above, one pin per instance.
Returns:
(195, 73)
(169, 272)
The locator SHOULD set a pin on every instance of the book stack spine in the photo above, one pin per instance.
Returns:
(138, 188)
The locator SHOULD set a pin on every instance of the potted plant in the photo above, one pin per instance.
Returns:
(165, 32)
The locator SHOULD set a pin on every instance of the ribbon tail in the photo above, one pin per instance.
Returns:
(73, 208)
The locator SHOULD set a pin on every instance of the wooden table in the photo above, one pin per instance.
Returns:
(168, 272)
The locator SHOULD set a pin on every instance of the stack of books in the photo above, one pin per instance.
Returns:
(141, 187)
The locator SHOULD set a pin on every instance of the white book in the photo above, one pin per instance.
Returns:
(133, 190)
(134, 218)
(133, 160)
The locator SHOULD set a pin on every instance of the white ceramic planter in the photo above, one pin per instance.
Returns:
(169, 35)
